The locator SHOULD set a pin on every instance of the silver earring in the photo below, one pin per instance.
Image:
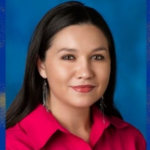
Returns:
(102, 105)
(44, 93)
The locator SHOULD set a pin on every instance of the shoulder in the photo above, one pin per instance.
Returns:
(17, 138)
(128, 133)
(26, 134)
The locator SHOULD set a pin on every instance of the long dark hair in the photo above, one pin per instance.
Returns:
(66, 14)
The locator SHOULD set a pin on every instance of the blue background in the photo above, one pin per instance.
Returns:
(127, 21)
(2, 74)
(148, 74)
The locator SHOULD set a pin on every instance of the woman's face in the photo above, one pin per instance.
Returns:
(79, 55)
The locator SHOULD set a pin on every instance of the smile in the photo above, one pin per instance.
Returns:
(83, 89)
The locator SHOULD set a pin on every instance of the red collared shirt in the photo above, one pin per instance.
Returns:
(41, 131)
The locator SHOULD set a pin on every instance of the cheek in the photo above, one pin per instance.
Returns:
(57, 73)
(104, 73)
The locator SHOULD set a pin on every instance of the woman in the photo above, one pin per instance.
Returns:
(66, 100)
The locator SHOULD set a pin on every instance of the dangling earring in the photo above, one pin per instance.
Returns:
(102, 105)
(44, 93)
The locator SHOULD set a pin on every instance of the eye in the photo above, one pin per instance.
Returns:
(98, 57)
(68, 57)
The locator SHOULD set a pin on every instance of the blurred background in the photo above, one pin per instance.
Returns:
(127, 22)
(2, 75)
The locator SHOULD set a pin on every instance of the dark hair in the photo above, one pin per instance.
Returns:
(66, 14)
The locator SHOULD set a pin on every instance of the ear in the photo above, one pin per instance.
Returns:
(41, 68)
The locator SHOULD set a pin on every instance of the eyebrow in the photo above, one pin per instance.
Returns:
(74, 50)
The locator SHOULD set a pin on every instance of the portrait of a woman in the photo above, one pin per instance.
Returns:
(66, 100)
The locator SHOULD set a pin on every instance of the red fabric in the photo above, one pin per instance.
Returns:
(40, 131)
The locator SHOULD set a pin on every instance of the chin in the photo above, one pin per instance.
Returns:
(83, 105)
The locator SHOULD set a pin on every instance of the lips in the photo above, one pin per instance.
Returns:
(83, 88)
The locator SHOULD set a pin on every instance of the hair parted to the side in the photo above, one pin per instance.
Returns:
(63, 15)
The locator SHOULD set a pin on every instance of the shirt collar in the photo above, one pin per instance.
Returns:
(40, 125)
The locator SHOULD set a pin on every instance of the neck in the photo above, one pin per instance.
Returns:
(76, 120)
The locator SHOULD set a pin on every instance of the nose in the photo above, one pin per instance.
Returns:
(84, 70)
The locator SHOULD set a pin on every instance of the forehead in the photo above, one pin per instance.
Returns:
(80, 36)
